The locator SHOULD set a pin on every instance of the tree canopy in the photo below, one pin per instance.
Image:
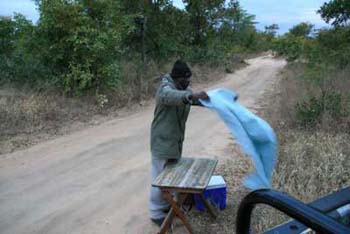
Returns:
(336, 11)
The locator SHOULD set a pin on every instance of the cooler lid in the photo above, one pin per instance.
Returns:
(216, 182)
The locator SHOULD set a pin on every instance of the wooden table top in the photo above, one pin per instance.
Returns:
(187, 174)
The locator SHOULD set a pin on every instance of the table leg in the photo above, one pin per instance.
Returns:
(175, 210)
(171, 214)
(208, 206)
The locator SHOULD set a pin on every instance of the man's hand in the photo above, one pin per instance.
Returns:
(200, 95)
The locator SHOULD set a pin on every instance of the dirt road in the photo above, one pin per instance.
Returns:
(96, 180)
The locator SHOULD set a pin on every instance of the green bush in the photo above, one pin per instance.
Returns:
(76, 46)
(312, 110)
(82, 43)
(333, 104)
(335, 43)
(19, 60)
(308, 112)
(290, 46)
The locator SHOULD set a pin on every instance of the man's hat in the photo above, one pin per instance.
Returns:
(180, 69)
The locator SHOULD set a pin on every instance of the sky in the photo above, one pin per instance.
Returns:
(25, 7)
(285, 13)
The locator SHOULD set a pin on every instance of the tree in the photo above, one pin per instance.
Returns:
(301, 30)
(203, 16)
(166, 28)
(7, 35)
(337, 11)
(272, 29)
(237, 25)
(19, 60)
(81, 42)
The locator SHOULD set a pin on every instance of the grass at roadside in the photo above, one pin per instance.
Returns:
(310, 165)
(24, 115)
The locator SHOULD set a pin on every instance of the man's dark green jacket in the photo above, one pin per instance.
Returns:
(169, 123)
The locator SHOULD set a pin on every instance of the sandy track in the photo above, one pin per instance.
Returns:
(96, 180)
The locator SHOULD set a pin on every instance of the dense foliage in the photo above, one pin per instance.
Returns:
(77, 46)
(81, 47)
(337, 11)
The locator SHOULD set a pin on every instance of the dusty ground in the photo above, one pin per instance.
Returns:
(96, 180)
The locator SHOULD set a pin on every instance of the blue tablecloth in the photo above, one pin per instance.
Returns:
(253, 134)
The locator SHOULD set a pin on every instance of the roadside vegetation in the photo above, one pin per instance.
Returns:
(85, 58)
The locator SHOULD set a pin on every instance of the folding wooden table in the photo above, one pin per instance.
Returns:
(187, 176)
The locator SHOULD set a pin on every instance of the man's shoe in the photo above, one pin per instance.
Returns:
(158, 222)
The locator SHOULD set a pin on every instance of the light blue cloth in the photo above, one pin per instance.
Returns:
(252, 133)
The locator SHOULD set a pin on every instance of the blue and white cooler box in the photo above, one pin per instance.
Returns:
(215, 193)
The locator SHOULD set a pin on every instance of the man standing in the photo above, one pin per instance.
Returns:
(173, 103)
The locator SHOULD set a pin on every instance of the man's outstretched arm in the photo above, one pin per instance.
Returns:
(174, 97)
(194, 98)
